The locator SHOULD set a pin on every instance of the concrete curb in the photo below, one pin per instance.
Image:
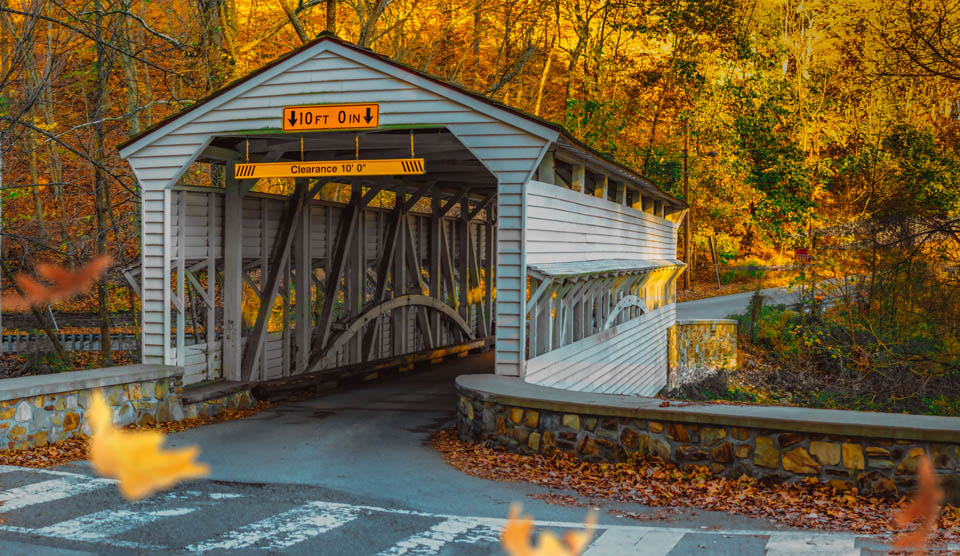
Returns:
(37, 385)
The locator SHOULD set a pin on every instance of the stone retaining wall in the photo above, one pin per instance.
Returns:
(699, 347)
(36, 410)
(215, 406)
(875, 466)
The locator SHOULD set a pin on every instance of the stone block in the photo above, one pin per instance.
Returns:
(134, 392)
(656, 427)
(549, 443)
(840, 484)
(72, 401)
(531, 419)
(8, 413)
(676, 431)
(766, 454)
(710, 436)
(83, 398)
(41, 420)
(722, 453)
(941, 455)
(827, 453)
(875, 483)
(571, 421)
(788, 439)
(609, 424)
(798, 460)
(909, 464)
(56, 419)
(38, 401)
(161, 389)
(533, 441)
(880, 463)
(654, 447)
(740, 433)
(501, 424)
(876, 452)
(690, 453)
(17, 433)
(70, 421)
(629, 439)
(468, 407)
(41, 438)
(146, 420)
(744, 450)
(163, 411)
(589, 423)
(516, 415)
(125, 415)
(24, 412)
(193, 411)
(521, 435)
(852, 456)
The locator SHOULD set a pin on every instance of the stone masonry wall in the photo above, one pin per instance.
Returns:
(697, 348)
(877, 467)
(215, 406)
(38, 420)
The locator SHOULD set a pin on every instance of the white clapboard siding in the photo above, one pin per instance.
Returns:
(196, 367)
(630, 358)
(567, 226)
(509, 144)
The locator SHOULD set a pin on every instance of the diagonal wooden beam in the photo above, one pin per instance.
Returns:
(483, 204)
(321, 332)
(278, 261)
(452, 202)
(408, 204)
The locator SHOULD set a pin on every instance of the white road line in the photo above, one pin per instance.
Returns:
(649, 543)
(48, 491)
(284, 529)
(107, 523)
(118, 543)
(806, 544)
(449, 530)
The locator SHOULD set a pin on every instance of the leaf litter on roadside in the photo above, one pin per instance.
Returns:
(806, 504)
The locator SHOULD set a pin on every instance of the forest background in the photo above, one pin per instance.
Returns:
(827, 125)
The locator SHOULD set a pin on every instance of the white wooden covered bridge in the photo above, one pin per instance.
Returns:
(397, 260)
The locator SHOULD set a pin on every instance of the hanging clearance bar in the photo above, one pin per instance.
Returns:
(329, 168)
(331, 116)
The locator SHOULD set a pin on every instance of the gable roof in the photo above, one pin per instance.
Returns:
(546, 127)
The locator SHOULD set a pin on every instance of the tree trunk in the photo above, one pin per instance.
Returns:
(100, 184)
(331, 23)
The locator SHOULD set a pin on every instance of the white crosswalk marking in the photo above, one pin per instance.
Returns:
(449, 530)
(48, 491)
(654, 542)
(107, 523)
(805, 544)
(614, 542)
(284, 529)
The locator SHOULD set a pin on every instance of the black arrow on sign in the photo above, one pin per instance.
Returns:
(368, 117)
(293, 118)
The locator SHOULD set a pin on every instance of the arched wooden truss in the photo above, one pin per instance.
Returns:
(373, 314)
(624, 303)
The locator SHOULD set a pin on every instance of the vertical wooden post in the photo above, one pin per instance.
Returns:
(181, 275)
(399, 280)
(464, 237)
(266, 303)
(579, 178)
(547, 170)
(435, 278)
(303, 268)
(490, 266)
(232, 276)
(213, 226)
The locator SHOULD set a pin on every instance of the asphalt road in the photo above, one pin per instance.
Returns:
(349, 473)
(736, 304)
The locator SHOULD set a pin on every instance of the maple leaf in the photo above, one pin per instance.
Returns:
(515, 537)
(66, 283)
(925, 507)
(135, 458)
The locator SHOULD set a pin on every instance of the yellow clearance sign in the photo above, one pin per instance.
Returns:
(330, 116)
(329, 168)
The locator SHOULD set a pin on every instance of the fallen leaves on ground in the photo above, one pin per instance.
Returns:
(808, 504)
(925, 507)
(515, 537)
(135, 458)
(75, 448)
(66, 283)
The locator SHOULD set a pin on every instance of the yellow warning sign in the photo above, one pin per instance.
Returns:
(330, 116)
(329, 168)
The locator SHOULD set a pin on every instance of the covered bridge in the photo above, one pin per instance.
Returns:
(336, 208)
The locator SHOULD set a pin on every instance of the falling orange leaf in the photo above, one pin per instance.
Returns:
(135, 458)
(515, 538)
(925, 507)
(66, 283)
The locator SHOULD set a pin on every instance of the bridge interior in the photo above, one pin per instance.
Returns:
(280, 277)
